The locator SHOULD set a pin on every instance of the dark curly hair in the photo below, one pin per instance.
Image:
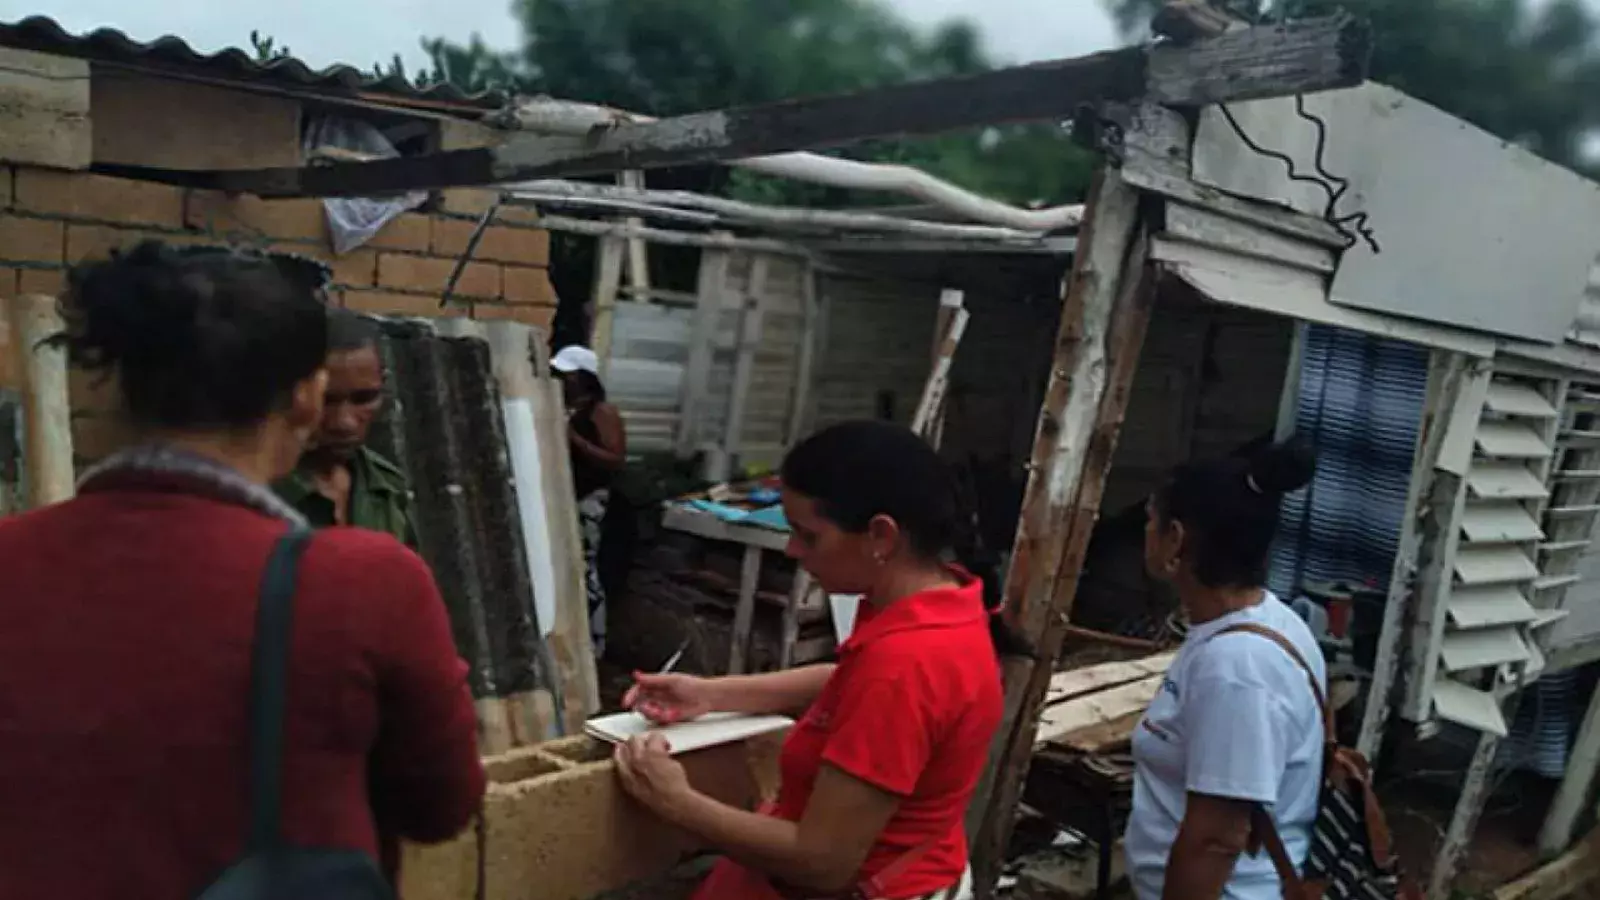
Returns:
(198, 338)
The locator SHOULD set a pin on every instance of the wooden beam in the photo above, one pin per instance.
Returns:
(1564, 877)
(1254, 63)
(1448, 374)
(1106, 311)
(1464, 820)
(608, 255)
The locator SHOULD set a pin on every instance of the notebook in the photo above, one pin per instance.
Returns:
(709, 730)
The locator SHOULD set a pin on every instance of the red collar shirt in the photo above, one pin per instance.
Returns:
(911, 710)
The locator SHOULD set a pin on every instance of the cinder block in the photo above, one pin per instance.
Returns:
(31, 240)
(573, 833)
(427, 274)
(389, 303)
(412, 232)
(529, 285)
(86, 196)
(292, 220)
(499, 243)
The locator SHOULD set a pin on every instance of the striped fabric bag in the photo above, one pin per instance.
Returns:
(1352, 856)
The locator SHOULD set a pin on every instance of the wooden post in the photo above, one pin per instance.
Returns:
(1464, 821)
(603, 302)
(1448, 374)
(800, 413)
(638, 251)
(930, 408)
(1577, 786)
(745, 613)
(1103, 322)
(709, 291)
(744, 364)
(48, 471)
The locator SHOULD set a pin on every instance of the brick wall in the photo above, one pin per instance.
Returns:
(51, 219)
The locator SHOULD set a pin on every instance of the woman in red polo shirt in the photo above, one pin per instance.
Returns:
(127, 614)
(878, 771)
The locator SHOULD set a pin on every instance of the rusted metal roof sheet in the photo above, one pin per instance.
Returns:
(174, 55)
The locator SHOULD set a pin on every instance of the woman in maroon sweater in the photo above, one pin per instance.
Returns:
(127, 614)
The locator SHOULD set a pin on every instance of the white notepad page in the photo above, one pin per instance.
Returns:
(709, 730)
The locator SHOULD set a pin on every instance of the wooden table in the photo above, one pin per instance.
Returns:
(755, 540)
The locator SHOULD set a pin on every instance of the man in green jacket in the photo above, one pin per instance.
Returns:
(340, 481)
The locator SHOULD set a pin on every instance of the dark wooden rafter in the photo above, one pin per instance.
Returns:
(1252, 63)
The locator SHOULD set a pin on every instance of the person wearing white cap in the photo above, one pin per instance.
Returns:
(599, 446)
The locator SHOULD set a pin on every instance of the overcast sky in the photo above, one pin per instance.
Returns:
(363, 32)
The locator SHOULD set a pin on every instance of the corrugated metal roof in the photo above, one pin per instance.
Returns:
(173, 54)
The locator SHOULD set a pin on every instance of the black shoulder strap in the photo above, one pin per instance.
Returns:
(269, 671)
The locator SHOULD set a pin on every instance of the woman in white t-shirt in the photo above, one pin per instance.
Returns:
(1235, 724)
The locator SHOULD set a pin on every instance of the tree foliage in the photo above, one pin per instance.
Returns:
(1524, 70)
(668, 57)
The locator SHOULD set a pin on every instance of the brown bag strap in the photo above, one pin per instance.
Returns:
(1263, 831)
(1300, 660)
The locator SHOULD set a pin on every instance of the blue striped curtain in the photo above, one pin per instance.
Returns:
(1361, 400)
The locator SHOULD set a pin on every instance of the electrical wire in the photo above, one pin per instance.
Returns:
(1355, 227)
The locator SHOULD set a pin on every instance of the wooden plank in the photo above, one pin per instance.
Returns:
(1564, 877)
(1455, 417)
(791, 617)
(1097, 708)
(1101, 335)
(938, 380)
(1577, 785)
(1464, 820)
(752, 311)
(1499, 523)
(708, 526)
(1089, 679)
(48, 471)
(603, 299)
(1495, 480)
(1103, 737)
(1419, 564)
(744, 613)
(1281, 60)
(1489, 606)
(811, 316)
(1514, 399)
(710, 288)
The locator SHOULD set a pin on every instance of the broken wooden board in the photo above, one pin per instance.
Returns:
(1089, 679)
(1095, 708)
(1566, 876)
(1064, 720)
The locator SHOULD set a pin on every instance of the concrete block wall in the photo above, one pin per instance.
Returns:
(51, 219)
(558, 826)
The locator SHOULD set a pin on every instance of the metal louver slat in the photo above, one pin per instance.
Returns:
(1489, 606)
(1513, 399)
(1499, 523)
(1465, 706)
(1489, 480)
(1463, 650)
(1495, 564)
(1511, 440)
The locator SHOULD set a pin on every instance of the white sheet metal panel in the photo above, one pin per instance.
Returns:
(1478, 648)
(1511, 440)
(1475, 709)
(1493, 565)
(1499, 523)
(1450, 204)
(1510, 398)
(1504, 480)
(649, 350)
(1488, 606)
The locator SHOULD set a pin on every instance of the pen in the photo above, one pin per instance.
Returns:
(673, 660)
